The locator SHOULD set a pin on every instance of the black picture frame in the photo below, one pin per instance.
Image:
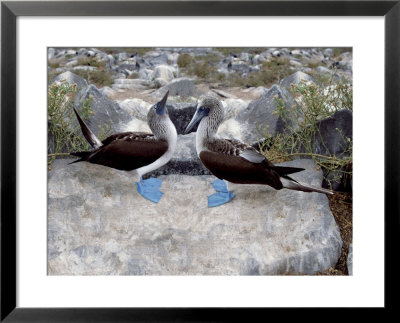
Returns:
(10, 10)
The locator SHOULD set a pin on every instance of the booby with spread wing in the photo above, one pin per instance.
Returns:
(137, 152)
(233, 160)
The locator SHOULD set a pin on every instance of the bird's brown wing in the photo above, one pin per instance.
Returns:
(128, 135)
(236, 169)
(234, 147)
(128, 151)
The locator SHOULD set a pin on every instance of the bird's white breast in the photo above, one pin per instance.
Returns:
(172, 137)
(201, 135)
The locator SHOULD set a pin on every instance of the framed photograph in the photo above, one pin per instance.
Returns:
(182, 160)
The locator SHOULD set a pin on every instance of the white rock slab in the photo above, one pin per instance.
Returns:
(99, 225)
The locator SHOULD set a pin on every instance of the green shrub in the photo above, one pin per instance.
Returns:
(54, 63)
(313, 103)
(206, 73)
(313, 64)
(275, 70)
(90, 61)
(62, 132)
(227, 50)
(100, 77)
(237, 50)
(337, 51)
(141, 51)
(220, 77)
(184, 60)
(202, 67)
(209, 58)
(235, 79)
(133, 75)
(201, 70)
(272, 72)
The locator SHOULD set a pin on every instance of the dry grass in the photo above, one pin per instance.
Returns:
(100, 77)
(141, 51)
(122, 95)
(184, 60)
(90, 61)
(272, 72)
(342, 209)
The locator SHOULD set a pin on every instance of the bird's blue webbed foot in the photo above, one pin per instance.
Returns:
(149, 189)
(222, 196)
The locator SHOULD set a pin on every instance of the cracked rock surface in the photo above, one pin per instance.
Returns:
(99, 225)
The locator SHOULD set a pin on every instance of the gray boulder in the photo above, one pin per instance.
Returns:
(146, 74)
(109, 60)
(71, 63)
(184, 161)
(258, 119)
(239, 67)
(277, 53)
(122, 57)
(60, 53)
(136, 108)
(107, 91)
(296, 63)
(323, 70)
(135, 84)
(82, 51)
(335, 135)
(51, 53)
(183, 87)
(90, 53)
(164, 72)
(156, 58)
(126, 68)
(346, 62)
(328, 52)
(181, 114)
(295, 79)
(99, 225)
(60, 70)
(106, 112)
(71, 78)
(244, 56)
(173, 58)
(257, 59)
(84, 68)
(223, 94)
(350, 260)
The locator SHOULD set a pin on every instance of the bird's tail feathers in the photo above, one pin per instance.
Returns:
(82, 154)
(89, 135)
(294, 185)
(282, 170)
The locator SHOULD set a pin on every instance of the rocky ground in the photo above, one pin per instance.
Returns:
(99, 225)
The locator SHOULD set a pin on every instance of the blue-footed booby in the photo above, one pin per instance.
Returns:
(233, 160)
(138, 152)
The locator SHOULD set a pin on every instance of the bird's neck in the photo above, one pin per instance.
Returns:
(207, 130)
(164, 131)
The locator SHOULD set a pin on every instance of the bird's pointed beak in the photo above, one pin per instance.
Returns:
(200, 114)
(160, 106)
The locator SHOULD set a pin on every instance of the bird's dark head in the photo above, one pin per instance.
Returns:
(160, 107)
(210, 107)
(158, 120)
(158, 111)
